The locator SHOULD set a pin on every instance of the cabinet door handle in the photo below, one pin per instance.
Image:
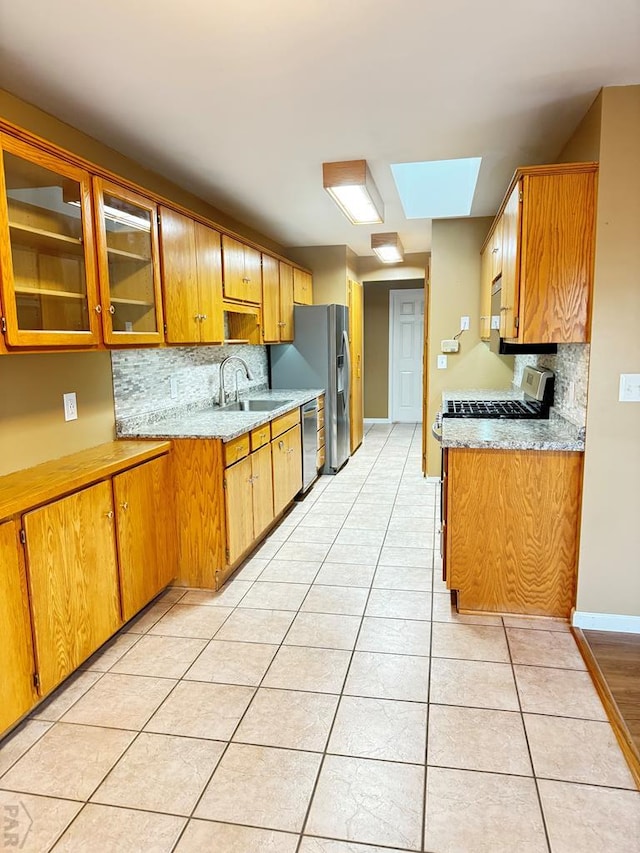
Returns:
(256, 477)
(197, 317)
(98, 309)
(203, 317)
(125, 505)
(246, 280)
(110, 514)
(112, 309)
(281, 445)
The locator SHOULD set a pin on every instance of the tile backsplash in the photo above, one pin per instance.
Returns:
(142, 378)
(570, 365)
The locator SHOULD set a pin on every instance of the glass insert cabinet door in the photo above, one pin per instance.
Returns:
(128, 263)
(47, 256)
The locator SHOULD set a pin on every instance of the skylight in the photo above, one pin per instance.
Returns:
(437, 189)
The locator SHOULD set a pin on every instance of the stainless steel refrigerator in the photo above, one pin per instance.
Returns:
(319, 358)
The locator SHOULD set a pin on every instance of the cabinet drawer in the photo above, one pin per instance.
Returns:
(320, 419)
(284, 422)
(260, 436)
(321, 437)
(236, 449)
(320, 457)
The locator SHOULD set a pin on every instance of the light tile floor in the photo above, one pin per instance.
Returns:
(328, 700)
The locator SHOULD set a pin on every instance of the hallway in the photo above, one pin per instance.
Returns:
(318, 702)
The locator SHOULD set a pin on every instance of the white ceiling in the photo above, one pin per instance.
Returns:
(241, 101)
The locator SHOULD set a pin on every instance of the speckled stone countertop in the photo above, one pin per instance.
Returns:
(556, 433)
(212, 422)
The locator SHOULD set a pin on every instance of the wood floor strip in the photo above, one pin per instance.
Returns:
(627, 745)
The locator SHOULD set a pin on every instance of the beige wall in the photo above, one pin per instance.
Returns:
(584, 143)
(330, 268)
(609, 565)
(48, 127)
(376, 343)
(454, 292)
(32, 424)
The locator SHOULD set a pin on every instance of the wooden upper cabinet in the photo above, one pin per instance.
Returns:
(128, 265)
(146, 537)
(242, 271)
(271, 323)
(73, 580)
(47, 253)
(277, 300)
(302, 287)
(486, 282)
(496, 250)
(192, 279)
(209, 263)
(286, 302)
(548, 244)
(16, 652)
(511, 226)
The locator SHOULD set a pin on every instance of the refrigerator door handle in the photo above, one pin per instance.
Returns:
(347, 368)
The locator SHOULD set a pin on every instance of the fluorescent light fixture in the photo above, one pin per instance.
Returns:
(437, 189)
(388, 247)
(350, 185)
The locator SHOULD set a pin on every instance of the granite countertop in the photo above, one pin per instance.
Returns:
(556, 433)
(212, 422)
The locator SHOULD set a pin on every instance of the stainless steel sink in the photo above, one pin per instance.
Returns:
(254, 405)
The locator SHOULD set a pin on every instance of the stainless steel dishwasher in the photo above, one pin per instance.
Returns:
(309, 445)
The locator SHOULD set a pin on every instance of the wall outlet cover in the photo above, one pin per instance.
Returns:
(70, 406)
(442, 362)
(629, 388)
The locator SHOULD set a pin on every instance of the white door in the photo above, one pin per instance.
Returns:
(406, 333)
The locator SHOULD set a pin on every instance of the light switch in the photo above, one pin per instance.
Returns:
(629, 388)
(495, 322)
(464, 323)
(442, 362)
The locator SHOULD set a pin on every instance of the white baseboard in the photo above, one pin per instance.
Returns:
(377, 421)
(606, 622)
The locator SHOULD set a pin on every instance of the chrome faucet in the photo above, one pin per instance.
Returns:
(223, 364)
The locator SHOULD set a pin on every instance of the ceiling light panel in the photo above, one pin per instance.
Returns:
(437, 189)
(350, 185)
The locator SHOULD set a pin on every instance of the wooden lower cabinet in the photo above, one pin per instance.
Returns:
(17, 693)
(72, 569)
(287, 468)
(238, 503)
(249, 501)
(146, 539)
(512, 524)
(198, 470)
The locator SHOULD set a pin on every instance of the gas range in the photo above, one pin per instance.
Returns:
(537, 387)
(512, 409)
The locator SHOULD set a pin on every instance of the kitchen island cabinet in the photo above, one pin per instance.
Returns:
(72, 568)
(145, 525)
(17, 693)
(510, 526)
(69, 563)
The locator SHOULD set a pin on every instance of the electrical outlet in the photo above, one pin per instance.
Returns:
(464, 323)
(629, 388)
(70, 406)
(173, 385)
(442, 362)
(495, 322)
